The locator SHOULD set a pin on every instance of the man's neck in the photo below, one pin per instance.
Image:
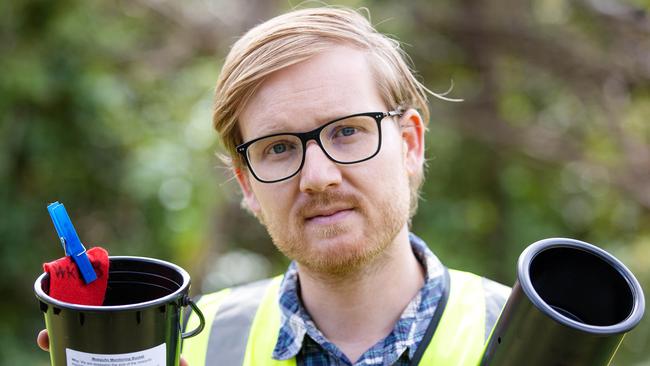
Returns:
(358, 312)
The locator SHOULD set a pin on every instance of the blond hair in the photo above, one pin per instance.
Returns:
(295, 37)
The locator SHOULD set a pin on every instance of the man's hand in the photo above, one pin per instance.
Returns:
(43, 341)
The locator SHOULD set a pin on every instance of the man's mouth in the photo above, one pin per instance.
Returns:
(331, 216)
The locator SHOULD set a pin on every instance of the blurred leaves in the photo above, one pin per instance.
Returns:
(106, 107)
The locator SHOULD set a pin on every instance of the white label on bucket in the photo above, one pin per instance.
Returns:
(149, 357)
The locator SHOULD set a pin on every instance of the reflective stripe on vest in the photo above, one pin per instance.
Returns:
(460, 335)
(194, 349)
(243, 324)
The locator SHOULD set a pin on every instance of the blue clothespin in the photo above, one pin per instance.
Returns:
(70, 241)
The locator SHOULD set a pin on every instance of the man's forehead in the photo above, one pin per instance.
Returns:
(331, 84)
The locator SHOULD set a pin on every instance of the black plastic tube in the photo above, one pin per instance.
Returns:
(138, 321)
(571, 305)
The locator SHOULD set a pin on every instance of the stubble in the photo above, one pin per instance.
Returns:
(362, 252)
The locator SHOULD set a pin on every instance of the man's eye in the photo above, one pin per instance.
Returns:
(278, 148)
(345, 131)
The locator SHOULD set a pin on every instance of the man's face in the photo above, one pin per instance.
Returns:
(329, 217)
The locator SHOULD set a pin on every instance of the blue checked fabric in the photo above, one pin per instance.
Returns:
(299, 336)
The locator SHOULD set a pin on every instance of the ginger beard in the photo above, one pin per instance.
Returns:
(347, 247)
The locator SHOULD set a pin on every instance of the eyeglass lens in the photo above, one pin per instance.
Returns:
(345, 141)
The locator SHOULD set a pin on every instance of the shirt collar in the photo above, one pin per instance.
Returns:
(296, 322)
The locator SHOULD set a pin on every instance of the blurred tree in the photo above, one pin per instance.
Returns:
(106, 107)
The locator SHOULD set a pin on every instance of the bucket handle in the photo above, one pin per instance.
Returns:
(187, 301)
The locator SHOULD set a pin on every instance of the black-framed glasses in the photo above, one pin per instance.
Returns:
(346, 140)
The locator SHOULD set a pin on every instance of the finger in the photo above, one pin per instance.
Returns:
(43, 340)
(183, 362)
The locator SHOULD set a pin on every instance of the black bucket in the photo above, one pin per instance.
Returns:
(138, 324)
(572, 304)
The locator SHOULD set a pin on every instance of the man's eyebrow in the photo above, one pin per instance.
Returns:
(279, 126)
(272, 127)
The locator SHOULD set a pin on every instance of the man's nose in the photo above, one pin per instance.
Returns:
(318, 171)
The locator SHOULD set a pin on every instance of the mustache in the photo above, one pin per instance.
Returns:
(327, 199)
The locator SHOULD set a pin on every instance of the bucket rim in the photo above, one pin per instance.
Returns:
(523, 275)
(49, 300)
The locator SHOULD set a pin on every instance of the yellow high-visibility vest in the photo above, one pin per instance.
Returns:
(242, 324)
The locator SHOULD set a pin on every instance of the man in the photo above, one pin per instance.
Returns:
(324, 125)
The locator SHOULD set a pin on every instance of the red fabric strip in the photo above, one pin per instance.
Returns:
(67, 284)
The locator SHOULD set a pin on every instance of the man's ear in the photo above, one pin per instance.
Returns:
(412, 128)
(250, 200)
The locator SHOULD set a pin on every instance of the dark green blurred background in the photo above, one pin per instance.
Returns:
(105, 106)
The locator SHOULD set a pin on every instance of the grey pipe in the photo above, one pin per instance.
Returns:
(572, 304)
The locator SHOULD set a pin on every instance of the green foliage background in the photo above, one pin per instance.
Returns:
(105, 106)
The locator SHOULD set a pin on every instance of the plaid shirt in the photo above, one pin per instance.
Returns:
(299, 337)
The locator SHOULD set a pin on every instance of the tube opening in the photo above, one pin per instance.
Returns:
(133, 281)
(582, 286)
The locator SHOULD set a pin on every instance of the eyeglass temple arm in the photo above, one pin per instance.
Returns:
(397, 112)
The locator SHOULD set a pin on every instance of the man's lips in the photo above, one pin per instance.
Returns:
(329, 216)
